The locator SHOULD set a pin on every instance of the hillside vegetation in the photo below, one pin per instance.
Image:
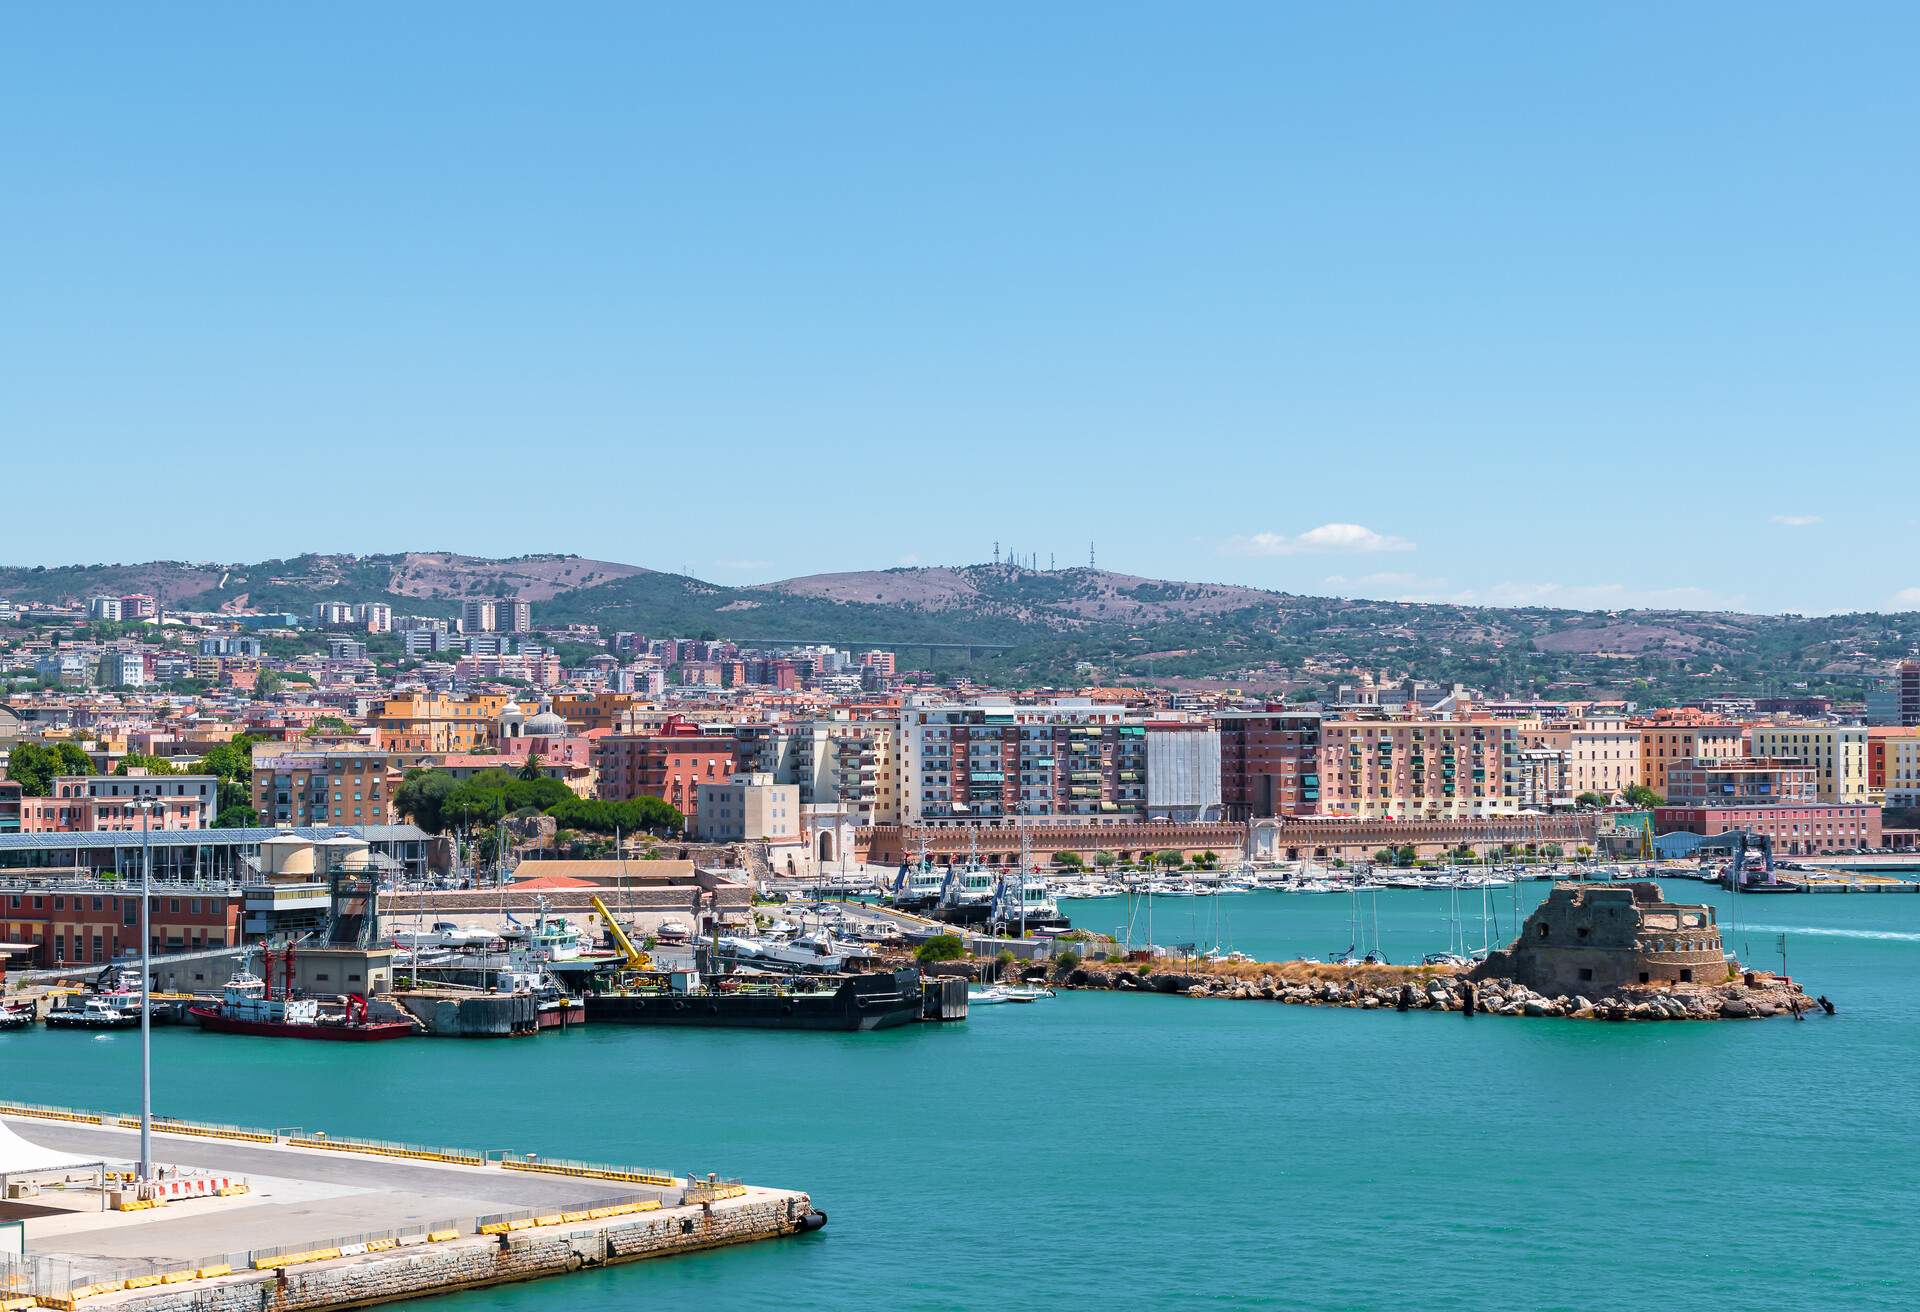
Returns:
(1065, 626)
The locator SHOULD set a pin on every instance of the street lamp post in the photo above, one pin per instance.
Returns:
(146, 985)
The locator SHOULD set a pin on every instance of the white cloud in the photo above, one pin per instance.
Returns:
(1795, 521)
(1907, 599)
(1355, 538)
(741, 564)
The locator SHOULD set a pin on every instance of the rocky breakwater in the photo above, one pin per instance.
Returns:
(1434, 988)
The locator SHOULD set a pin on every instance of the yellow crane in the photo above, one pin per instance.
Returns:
(636, 959)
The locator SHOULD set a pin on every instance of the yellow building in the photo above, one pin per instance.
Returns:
(1903, 768)
(1837, 753)
(435, 722)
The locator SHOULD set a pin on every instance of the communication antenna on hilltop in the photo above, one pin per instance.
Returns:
(1049, 562)
(996, 551)
(1090, 555)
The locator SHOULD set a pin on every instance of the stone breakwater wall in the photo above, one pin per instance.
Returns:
(1375, 989)
(424, 1270)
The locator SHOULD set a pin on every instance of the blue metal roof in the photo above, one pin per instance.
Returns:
(208, 837)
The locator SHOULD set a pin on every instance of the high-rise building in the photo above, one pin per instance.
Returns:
(1269, 763)
(989, 760)
(516, 616)
(1896, 699)
(480, 617)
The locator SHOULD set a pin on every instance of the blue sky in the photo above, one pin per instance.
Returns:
(1596, 305)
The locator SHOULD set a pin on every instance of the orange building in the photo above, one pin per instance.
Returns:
(1670, 737)
(435, 722)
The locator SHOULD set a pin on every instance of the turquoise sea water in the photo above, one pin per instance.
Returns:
(1147, 1152)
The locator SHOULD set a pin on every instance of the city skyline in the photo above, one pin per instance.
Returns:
(1501, 307)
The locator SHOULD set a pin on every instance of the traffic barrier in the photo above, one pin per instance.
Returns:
(48, 1113)
(215, 1271)
(441, 1236)
(379, 1148)
(586, 1170)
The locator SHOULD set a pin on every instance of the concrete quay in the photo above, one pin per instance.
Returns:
(332, 1227)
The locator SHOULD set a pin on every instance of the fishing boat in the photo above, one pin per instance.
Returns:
(16, 1016)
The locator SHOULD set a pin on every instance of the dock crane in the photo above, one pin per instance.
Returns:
(635, 958)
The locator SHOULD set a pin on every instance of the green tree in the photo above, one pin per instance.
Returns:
(1169, 859)
(530, 768)
(1553, 851)
(1069, 861)
(1104, 860)
(1406, 854)
(1384, 857)
(141, 761)
(941, 947)
(237, 817)
(1592, 800)
(1642, 798)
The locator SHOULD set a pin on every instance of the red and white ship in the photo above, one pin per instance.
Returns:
(250, 1006)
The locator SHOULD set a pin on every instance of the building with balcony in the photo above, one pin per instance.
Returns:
(1836, 753)
(1269, 763)
(988, 760)
(1665, 740)
(1424, 769)
(1742, 781)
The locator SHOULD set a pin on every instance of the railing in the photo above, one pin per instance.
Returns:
(599, 1209)
(325, 1250)
(585, 1170)
(712, 1190)
(389, 1148)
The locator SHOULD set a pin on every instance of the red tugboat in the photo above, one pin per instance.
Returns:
(250, 1006)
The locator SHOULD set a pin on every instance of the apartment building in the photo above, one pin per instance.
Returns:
(1837, 753)
(1743, 781)
(1664, 741)
(1422, 769)
(749, 808)
(990, 760)
(341, 787)
(1269, 763)
(1603, 756)
(439, 722)
(196, 798)
(670, 763)
(1895, 701)
(834, 761)
(1902, 769)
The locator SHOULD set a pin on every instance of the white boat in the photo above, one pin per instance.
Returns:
(445, 934)
(1023, 993)
(991, 996)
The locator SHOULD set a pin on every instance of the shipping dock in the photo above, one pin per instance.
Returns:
(252, 1220)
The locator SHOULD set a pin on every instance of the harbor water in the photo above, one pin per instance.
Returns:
(1147, 1152)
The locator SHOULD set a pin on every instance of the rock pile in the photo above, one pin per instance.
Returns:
(1765, 996)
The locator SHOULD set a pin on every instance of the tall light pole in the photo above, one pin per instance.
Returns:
(146, 985)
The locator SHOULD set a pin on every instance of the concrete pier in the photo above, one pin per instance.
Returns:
(324, 1227)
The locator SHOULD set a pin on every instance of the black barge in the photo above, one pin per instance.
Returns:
(877, 1000)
